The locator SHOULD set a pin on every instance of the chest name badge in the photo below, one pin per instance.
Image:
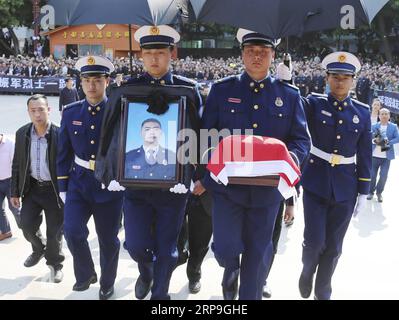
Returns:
(326, 113)
(136, 167)
(355, 119)
(234, 100)
(77, 123)
(279, 102)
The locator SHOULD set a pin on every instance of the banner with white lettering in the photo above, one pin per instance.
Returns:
(389, 100)
(45, 85)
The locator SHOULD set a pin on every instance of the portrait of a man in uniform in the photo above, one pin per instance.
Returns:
(151, 161)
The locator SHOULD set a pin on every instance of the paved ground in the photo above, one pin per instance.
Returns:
(367, 268)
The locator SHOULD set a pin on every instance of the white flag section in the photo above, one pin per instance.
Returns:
(263, 156)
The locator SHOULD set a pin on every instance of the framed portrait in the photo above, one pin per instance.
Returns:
(148, 156)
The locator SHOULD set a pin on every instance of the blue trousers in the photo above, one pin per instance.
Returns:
(326, 223)
(239, 229)
(77, 212)
(153, 219)
(381, 164)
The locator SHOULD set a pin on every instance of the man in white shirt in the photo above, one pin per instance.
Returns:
(6, 156)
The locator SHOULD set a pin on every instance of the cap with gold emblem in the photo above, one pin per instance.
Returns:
(92, 65)
(152, 37)
(342, 63)
(247, 37)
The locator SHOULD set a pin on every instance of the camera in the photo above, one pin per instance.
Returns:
(287, 60)
(381, 141)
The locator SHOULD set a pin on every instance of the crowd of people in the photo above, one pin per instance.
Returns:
(308, 75)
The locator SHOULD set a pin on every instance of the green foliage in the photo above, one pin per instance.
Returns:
(10, 12)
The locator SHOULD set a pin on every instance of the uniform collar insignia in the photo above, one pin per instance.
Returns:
(166, 79)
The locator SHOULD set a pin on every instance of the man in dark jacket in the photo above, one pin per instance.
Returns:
(34, 180)
(68, 95)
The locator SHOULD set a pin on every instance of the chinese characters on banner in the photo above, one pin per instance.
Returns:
(389, 100)
(45, 85)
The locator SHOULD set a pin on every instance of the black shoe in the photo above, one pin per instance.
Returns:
(305, 286)
(267, 293)
(194, 286)
(231, 292)
(85, 285)
(33, 259)
(379, 197)
(56, 276)
(142, 288)
(104, 294)
(370, 196)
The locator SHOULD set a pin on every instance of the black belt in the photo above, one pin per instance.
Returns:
(40, 183)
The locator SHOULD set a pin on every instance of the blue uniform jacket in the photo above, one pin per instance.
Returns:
(270, 108)
(342, 128)
(137, 167)
(392, 135)
(79, 135)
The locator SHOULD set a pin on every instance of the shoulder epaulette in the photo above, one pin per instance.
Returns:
(289, 85)
(364, 105)
(226, 79)
(193, 82)
(73, 104)
(321, 95)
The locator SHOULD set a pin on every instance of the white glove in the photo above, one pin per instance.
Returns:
(360, 204)
(283, 72)
(62, 196)
(114, 186)
(179, 188)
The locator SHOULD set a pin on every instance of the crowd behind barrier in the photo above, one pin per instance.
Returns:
(46, 75)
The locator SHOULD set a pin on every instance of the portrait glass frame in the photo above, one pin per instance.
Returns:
(142, 133)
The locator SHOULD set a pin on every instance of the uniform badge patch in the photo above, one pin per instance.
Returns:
(356, 119)
(77, 123)
(342, 58)
(279, 102)
(234, 100)
(154, 31)
(326, 113)
(136, 167)
(91, 61)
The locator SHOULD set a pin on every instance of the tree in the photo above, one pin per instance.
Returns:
(14, 13)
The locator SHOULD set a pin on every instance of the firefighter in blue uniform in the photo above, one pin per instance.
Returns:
(82, 193)
(335, 175)
(153, 218)
(244, 216)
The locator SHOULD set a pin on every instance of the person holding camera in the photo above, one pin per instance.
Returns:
(385, 135)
